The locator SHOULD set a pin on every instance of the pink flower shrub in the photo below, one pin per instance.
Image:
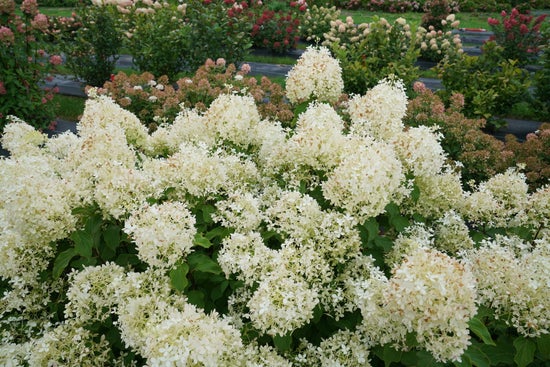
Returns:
(23, 46)
(518, 33)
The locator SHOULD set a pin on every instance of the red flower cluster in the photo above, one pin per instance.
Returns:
(518, 33)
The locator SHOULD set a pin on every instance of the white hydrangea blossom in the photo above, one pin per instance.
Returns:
(188, 126)
(434, 295)
(513, 281)
(241, 210)
(318, 140)
(70, 345)
(538, 210)
(163, 233)
(199, 172)
(281, 303)
(366, 180)
(437, 194)
(119, 190)
(315, 75)
(101, 111)
(343, 349)
(413, 238)
(246, 255)
(20, 138)
(233, 118)
(91, 292)
(451, 234)
(420, 151)
(498, 201)
(380, 111)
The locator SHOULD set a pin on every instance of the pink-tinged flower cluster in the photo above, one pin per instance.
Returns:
(29, 7)
(56, 60)
(7, 6)
(6, 36)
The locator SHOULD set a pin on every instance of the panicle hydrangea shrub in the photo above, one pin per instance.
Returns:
(226, 239)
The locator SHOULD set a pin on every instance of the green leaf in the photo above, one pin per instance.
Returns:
(207, 211)
(61, 261)
(425, 359)
(196, 298)
(202, 241)
(525, 351)
(478, 327)
(415, 193)
(390, 355)
(83, 243)
(111, 236)
(384, 243)
(201, 262)
(283, 343)
(93, 224)
(217, 292)
(477, 357)
(178, 277)
(217, 232)
(543, 344)
(465, 362)
(372, 229)
(105, 252)
(127, 259)
(317, 313)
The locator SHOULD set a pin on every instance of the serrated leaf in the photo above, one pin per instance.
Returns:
(217, 232)
(127, 259)
(390, 354)
(207, 211)
(111, 236)
(62, 261)
(477, 357)
(283, 343)
(384, 243)
(372, 229)
(178, 277)
(415, 193)
(425, 359)
(202, 241)
(478, 327)
(200, 262)
(525, 351)
(93, 224)
(83, 243)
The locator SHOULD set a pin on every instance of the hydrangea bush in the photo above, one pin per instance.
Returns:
(155, 101)
(26, 59)
(225, 239)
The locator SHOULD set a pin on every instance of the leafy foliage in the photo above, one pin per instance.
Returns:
(26, 59)
(93, 48)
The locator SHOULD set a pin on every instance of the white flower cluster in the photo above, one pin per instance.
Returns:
(380, 111)
(367, 179)
(429, 293)
(316, 75)
(500, 201)
(163, 233)
(513, 280)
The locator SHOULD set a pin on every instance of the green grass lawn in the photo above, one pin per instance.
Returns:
(68, 107)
